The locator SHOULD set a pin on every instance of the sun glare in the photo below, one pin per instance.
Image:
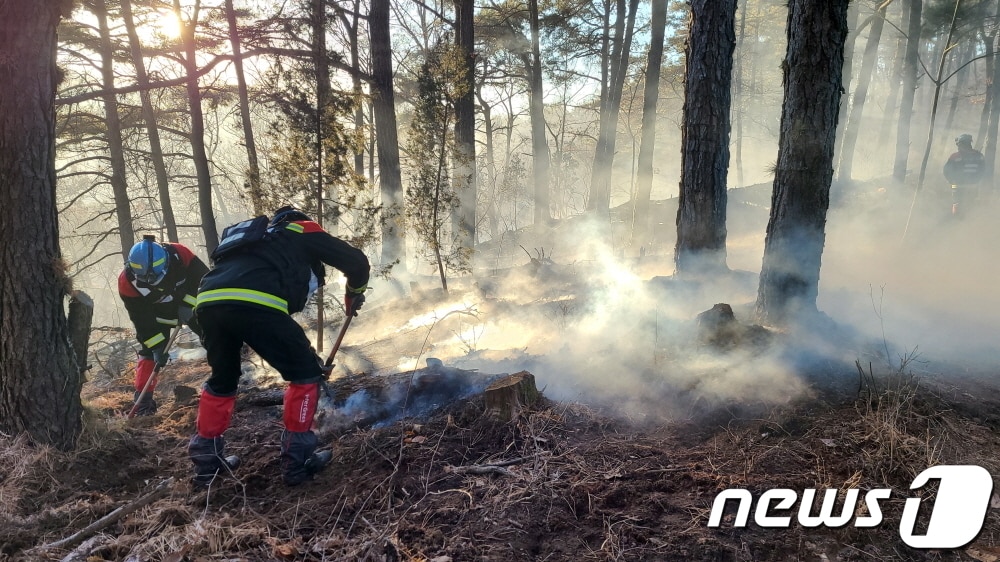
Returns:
(167, 25)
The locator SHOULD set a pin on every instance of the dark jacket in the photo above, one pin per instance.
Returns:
(281, 271)
(153, 310)
(965, 167)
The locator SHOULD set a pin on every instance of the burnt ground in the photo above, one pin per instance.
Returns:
(561, 481)
(423, 472)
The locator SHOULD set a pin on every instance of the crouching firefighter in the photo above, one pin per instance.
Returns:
(263, 272)
(158, 287)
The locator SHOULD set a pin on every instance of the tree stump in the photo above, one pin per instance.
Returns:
(506, 397)
(79, 319)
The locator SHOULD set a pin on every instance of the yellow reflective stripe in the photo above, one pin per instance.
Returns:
(295, 227)
(190, 299)
(154, 341)
(134, 265)
(246, 295)
(166, 321)
(159, 261)
(360, 289)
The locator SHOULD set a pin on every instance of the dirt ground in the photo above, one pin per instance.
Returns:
(423, 471)
(561, 481)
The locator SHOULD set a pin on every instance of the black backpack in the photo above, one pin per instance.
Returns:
(239, 236)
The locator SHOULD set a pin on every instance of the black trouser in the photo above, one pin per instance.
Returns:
(274, 335)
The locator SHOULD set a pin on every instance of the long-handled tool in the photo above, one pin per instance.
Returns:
(328, 364)
(152, 377)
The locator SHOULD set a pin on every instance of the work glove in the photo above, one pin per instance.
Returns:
(160, 357)
(323, 367)
(353, 300)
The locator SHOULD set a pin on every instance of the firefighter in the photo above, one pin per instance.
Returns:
(248, 298)
(158, 286)
(965, 170)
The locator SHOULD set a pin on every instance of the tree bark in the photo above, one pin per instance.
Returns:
(253, 165)
(116, 151)
(701, 211)
(540, 155)
(198, 152)
(796, 230)
(149, 118)
(909, 88)
(387, 139)
(40, 379)
(607, 136)
(465, 129)
(650, 99)
(323, 95)
(852, 126)
(507, 397)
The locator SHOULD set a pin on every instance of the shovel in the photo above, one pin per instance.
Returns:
(152, 378)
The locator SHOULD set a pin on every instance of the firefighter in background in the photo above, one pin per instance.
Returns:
(158, 286)
(965, 170)
(248, 297)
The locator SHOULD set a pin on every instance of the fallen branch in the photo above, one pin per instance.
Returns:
(82, 552)
(492, 468)
(161, 490)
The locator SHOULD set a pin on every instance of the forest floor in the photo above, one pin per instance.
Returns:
(621, 459)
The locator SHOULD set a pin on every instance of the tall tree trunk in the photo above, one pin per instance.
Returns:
(465, 128)
(384, 109)
(650, 99)
(796, 230)
(198, 152)
(909, 88)
(149, 119)
(853, 125)
(40, 378)
(324, 91)
(354, 46)
(960, 81)
(540, 156)
(491, 164)
(738, 95)
(123, 205)
(993, 130)
(853, 32)
(253, 172)
(604, 154)
(992, 86)
(946, 51)
(992, 133)
(323, 94)
(895, 78)
(701, 211)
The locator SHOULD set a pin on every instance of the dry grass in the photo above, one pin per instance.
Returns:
(899, 427)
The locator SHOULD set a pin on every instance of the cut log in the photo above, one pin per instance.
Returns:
(507, 397)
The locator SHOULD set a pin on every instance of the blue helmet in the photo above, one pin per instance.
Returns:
(288, 213)
(148, 261)
(964, 139)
